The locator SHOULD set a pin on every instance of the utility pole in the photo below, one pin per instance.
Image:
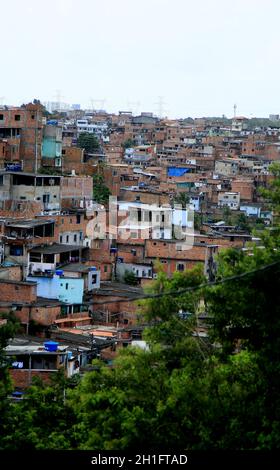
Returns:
(160, 104)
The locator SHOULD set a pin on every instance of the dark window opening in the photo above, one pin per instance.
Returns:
(180, 267)
(16, 250)
(48, 258)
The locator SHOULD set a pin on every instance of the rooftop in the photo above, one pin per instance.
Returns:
(10, 172)
(57, 248)
(26, 223)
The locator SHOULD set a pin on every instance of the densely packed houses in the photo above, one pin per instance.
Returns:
(70, 260)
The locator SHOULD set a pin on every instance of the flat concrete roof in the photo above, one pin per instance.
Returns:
(28, 223)
(57, 248)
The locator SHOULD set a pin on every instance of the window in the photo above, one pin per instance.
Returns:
(35, 257)
(1, 117)
(63, 151)
(17, 117)
(67, 238)
(16, 250)
(105, 269)
(178, 247)
(75, 238)
(70, 221)
(66, 286)
(78, 218)
(60, 239)
(133, 234)
(180, 267)
(82, 236)
(62, 221)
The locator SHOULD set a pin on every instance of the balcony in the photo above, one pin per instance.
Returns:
(51, 206)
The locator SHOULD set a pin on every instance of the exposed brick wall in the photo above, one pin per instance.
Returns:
(245, 187)
(11, 291)
(77, 187)
(23, 378)
(30, 129)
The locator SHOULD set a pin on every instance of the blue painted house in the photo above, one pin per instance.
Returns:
(65, 289)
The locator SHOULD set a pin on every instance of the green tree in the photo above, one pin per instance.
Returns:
(89, 142)
(8, 329)
(183, 199)
(42, 420)
(227, 215)
(242, 223)
(101, 192)
(130, 278)
(129, 143)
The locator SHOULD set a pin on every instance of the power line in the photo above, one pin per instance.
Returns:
(193, 288)
(162, 294)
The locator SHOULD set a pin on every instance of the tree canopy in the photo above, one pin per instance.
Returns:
(101, 192)
(89, 142)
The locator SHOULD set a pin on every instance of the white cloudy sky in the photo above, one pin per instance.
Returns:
(200, 56)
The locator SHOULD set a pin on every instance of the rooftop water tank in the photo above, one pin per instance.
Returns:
(51, 346)
(59, 272)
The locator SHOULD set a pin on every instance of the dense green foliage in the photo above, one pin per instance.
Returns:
(89, 142)
(7, 331)
(129, 143)
(182, 199)
(101, 192)
(130, 278)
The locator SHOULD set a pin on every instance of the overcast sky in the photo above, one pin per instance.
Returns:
(201, 57)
